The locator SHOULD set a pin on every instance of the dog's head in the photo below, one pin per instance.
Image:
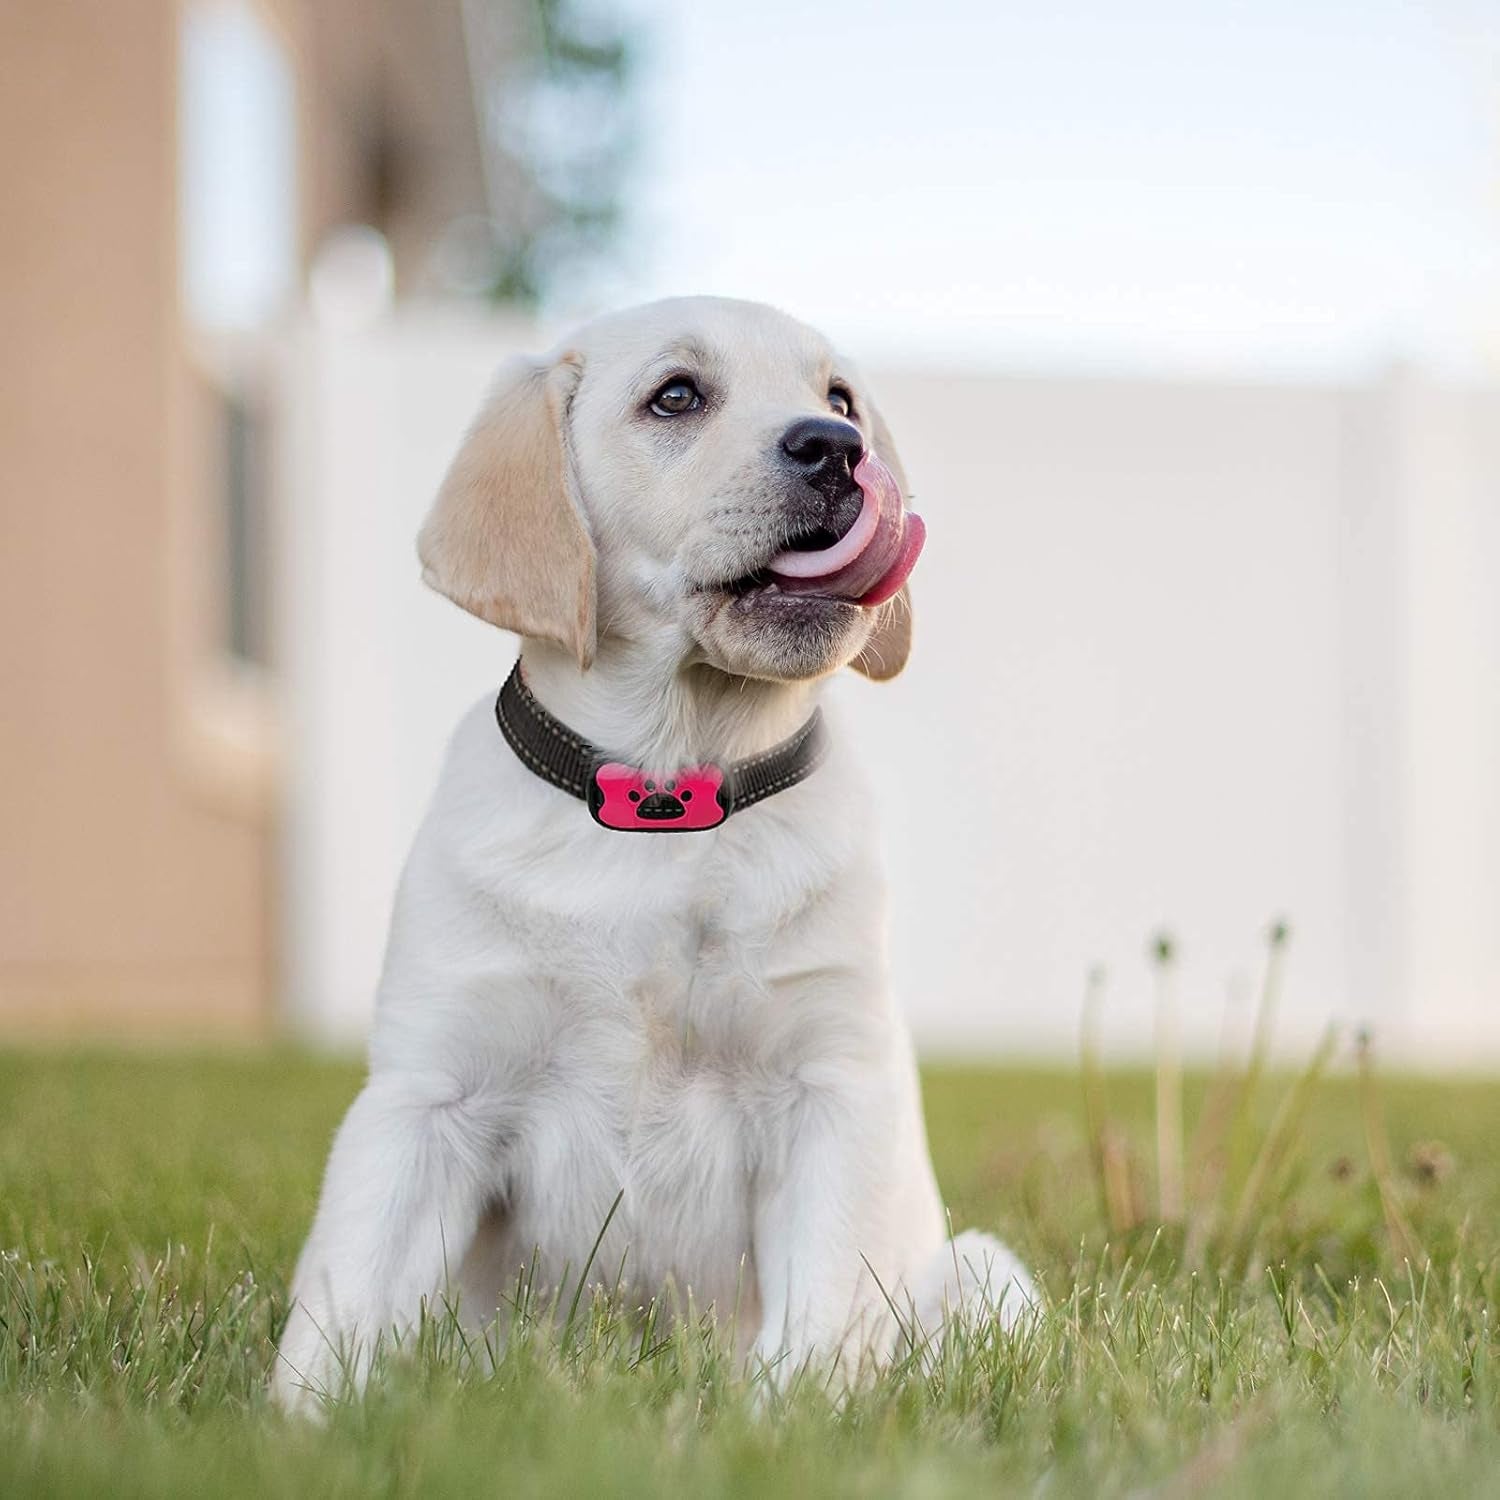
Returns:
(642, 482)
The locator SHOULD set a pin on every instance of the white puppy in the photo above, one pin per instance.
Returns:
(696, 1022)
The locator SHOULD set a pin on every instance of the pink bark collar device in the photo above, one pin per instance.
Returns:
(628, 799)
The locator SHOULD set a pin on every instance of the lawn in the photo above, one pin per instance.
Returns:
(1338, 1340)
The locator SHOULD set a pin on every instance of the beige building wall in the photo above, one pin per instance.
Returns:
(138, 770)
(130, 895)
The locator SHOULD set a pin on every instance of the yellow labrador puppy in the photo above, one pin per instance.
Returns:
(638, 959)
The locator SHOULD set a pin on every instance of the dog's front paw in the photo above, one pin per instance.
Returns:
(974, 1280)
(315, 1365)
(830, 1360)
(294, 1393)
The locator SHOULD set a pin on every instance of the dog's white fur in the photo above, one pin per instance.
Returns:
(699, 1024)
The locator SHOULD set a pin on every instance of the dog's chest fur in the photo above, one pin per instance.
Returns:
(652, 1086)
(649, 1014)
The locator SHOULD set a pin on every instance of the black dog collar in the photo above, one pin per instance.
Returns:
(623, 797)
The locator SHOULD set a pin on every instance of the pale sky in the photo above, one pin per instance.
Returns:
(1304, 187)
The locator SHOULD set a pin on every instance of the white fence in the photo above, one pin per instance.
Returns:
(1199, 655)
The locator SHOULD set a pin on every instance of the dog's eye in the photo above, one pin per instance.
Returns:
(676, 397)
(840, 401)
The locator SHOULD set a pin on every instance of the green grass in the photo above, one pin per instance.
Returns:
(151, 1209)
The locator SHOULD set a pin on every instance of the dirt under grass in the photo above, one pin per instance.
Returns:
(151, 1209)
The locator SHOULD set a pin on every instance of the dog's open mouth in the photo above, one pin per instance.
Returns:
(865, 565)
(816, 539)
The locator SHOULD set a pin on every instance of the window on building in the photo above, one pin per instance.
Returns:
(245, 477)
(238, 272)
(237, 169)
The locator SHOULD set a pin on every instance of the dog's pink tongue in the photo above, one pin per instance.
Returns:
(870, 562)
(913, 539)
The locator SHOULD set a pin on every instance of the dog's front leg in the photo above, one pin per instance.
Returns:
(814, 1224)
(409, 1173)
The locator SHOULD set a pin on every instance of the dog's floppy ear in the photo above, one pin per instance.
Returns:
(885, 653)
(506, 537)
(889, 645)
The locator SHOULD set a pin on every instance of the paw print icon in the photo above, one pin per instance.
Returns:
(626, 798)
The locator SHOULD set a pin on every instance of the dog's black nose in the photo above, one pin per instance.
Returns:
(819, 443)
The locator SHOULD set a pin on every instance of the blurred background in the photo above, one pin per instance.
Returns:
(1186, 317)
